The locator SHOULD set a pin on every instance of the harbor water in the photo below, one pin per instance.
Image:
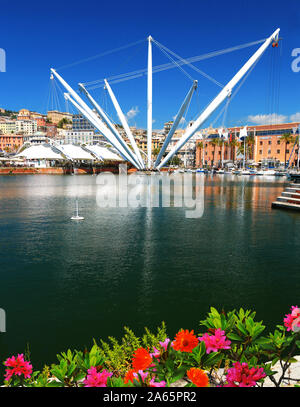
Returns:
(63, 283)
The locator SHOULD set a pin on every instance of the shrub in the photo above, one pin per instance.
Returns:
(230, 352)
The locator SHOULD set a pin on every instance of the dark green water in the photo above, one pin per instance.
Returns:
(63, 283)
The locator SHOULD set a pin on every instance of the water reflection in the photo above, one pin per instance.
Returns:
(63, 283)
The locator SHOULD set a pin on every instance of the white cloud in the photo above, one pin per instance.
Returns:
(182, 120)
(132, 112)
(273, 118)
(295, 117)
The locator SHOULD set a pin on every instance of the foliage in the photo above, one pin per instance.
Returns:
(232, 350)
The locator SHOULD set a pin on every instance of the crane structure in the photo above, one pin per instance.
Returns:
(130, 152)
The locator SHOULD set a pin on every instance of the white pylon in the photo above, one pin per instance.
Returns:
(149, 104)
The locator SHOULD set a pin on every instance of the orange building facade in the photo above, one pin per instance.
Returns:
(10, 142)
(265, 144)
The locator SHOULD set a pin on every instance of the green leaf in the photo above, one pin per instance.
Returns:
(179, 374)
(213, 358)
(241, 328)
(234, 337)
(262, 340)
(54, 383)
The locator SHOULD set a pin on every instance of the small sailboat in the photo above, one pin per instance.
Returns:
(77, 217)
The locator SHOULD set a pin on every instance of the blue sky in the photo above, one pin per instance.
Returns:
(37, 36)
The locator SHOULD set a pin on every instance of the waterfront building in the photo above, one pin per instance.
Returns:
(24, 114)
(7, 126)
(264, 145)
(51, 130)
(39, 137)
(11, 142)
(80, 123)
(26, 126)
(54, 116)
(78, 137)
(40, 121)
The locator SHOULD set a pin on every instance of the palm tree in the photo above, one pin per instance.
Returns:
(234, 143)
(220, 143)
(285, 138)
(214, 142)
(200, 146)
(250, 143)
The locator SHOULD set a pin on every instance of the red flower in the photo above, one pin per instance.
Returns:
(198, 377)
(141, 359)
(129, 377)
(185, 341)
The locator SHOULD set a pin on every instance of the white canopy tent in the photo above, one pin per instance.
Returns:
(103, 153)
(40, 152)
(74, 152)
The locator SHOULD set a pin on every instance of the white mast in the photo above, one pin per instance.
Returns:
(176, 121)
(225, 92)
(91, 116)
(124, 124)
(115, 143)
(107, 121)
(149, 104)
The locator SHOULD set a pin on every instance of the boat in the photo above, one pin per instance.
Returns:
(77, 217)
(269, 173)
(280, 173)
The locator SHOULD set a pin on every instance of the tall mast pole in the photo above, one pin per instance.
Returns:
(107, 121)
(149, 104)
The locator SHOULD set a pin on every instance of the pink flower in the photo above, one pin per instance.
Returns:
(164, 344)
(292, 320)
(142, 374)
(156, 353)
(17, 366)
(95, 379)
(241, 376)
(157, 384)
(214, 343)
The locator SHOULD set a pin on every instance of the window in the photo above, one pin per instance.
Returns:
(278, 151)
(278, 142)
(270, 142)
(260, 151)
(287, 151)
(261, 143)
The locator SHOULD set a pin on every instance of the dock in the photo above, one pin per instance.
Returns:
(290, 197)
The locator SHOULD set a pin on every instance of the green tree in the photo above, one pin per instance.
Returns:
(214, 142)
(63, 122)
(285, 138)
(234, 144)
(200, 146)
